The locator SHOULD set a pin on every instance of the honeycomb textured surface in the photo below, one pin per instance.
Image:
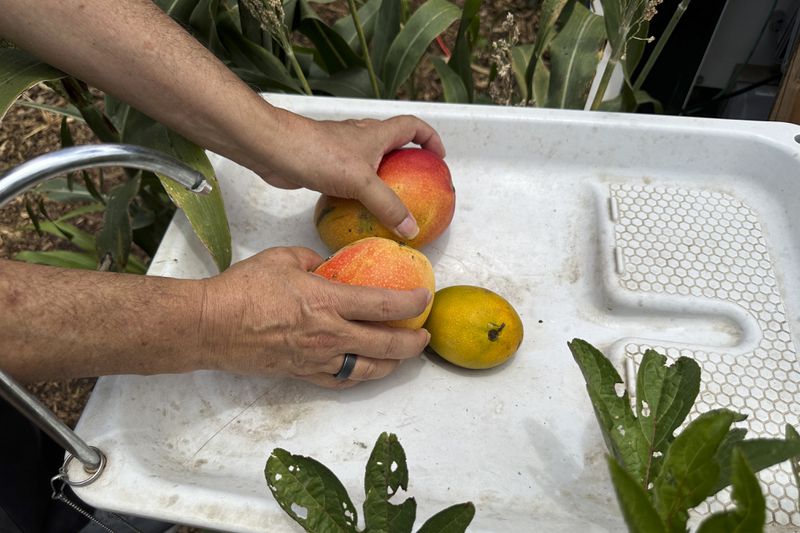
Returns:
(708, 244)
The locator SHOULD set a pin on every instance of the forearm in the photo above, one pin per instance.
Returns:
(58, 323)
(134, 51)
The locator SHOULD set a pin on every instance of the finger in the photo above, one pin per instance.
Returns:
(387, 207)
(329, 382)
(406, 128)
(384, 342)
(375, 304)
(306, 258)
(366, 368)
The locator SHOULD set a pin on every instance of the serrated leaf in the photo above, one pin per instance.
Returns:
(427, 22)
(759, 454)
(380, 516)
(368, 15)
(575, 53)
(621, 431)
(310, 493)
(664, 397)
(59, 258)
(114, 239)
(20, 70)
(792, 435)
(690, 470)
(454, 519)
(634, 501)
(461, 59)
(386, 470)
(206, 213)
(749, 514)
(453, 87)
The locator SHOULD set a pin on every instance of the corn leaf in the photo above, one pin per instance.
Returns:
(461, 59)
(368, 15)
(427, 22)
(59, 258)
(83, 240)
(206, 213)
(520, 59)
(634, 501)
(387, 26)
(310, 493)
(114, 240)
(18, 71)
(454, 519)
(68, 111)
(549, 13)
(333, 52)
(749, 514)
(351, 83)
(454, 90)
(575, 53)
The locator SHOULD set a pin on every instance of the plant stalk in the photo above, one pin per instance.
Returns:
(287, 47)
(613, 61)
(364, 47)
(662, 41)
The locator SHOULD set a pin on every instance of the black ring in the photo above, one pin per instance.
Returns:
(348, 365)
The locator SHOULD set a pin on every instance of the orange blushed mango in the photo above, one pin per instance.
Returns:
(378, 262)
(422, 181)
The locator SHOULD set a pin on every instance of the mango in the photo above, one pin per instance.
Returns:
(422, 181)
(379, 262)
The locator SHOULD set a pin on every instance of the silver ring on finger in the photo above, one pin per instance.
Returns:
(348, 365)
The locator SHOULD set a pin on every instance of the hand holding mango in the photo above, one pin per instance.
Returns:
(471, 327)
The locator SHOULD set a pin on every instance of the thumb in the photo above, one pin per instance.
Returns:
(387, 207)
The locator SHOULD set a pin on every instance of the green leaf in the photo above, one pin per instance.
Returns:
(750, 514)
(634, 501)
(83, 210)
(380, 516)
(368, 15)
(59, 258)
(630, 101)
(387, 26)
(461, 58)
(759, 454)
(351, 83)
(427, 22)
(206, 213)
(541, 84)
(18, 71)
(310, 493)
(549, 13)
(792, 435)
(520, 59)
(575, 53)
(664, 397)
(690, 470)
(248, 56)
(83, 240)
(68, 111)
(386, 470)
(334, 53)
(454, 90)
(622, 22)
(454, 519)
(114, 239)
(620, 429)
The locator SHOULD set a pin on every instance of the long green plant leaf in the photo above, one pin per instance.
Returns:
(59, 258)
(427, 22)
(351, 83)
(461, 59)
(454, 519)
(549, 13)
(634, 501)
(310, 493)
(452, 85)
(749, 514)
(68, 111)
(368, 15)
(19, 70)
(333, 52)
(520, 59)
(575, 53)
(206, 213)
(387, 26)
(114, 239)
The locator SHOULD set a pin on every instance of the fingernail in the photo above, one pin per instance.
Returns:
(427, 342)
(408, 228)
(430, 297)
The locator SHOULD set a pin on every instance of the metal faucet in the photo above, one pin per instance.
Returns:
(25, 176)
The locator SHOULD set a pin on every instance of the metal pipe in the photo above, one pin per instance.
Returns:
(28, 174)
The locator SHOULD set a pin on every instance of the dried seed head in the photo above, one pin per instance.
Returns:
(650, 9)
(268, 13)
(502, 88)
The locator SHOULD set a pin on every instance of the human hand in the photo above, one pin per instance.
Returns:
(271, 315)
(342, 159)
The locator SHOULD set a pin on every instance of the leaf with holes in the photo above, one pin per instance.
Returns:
(385, 474)
(621, 430)
(310, 493)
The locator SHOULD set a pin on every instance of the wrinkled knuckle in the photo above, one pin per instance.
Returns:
(391, 346)
(371, 369)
